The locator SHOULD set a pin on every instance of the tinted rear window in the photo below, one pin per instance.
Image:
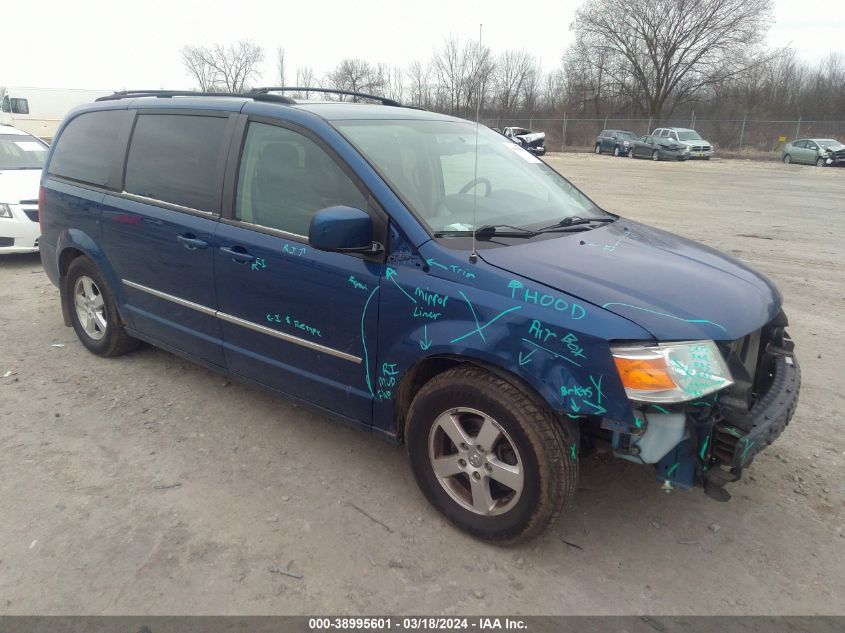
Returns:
(88, 147)
(176, 158)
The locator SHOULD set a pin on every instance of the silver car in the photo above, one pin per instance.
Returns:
(822, 152)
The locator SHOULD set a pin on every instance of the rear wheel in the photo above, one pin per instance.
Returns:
(655, 155)
(787, 159)
(488, 457)
(631, 152)
(93, 312)
(616, 151)
(598, 148)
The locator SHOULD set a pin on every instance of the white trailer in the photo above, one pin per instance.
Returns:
(39, 111)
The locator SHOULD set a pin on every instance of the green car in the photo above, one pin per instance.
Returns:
(822, 152)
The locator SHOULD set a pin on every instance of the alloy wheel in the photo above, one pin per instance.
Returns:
(476, 461)
(90, 307)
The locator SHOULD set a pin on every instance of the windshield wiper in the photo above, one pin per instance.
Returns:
(572, 222)
(490, 230)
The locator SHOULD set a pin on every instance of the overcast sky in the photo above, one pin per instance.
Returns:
(102, 45)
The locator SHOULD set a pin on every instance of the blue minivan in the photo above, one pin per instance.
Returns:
(419, 277)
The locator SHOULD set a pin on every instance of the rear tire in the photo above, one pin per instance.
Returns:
(598, 148)
(655, 155)
(486, 455)
(787, 159)
(93, 312)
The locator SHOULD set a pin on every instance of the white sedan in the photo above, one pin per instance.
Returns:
(21, 160)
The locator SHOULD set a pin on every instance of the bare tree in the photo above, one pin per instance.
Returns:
(420, 86)
(280, 65)
(665, 52)
(227, 68)
(356, 75)
(464, 74)
(195, 61)
(306, 78)
(512, 68)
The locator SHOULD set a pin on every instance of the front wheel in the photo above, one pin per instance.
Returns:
(598, 148)
(616, 151)
(489, 458)
(93, 312)
(820, 162)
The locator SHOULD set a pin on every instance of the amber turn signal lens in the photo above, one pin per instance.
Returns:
(648, 374)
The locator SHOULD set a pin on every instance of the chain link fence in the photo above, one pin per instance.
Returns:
(725, 134)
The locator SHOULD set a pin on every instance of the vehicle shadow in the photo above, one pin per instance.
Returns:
(21, 261)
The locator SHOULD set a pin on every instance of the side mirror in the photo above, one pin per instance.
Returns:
(343, 230)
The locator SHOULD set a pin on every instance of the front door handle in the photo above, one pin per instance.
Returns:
(238, 254)
(191, 242)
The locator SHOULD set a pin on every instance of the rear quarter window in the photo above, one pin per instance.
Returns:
(88, 148)
(177, 158)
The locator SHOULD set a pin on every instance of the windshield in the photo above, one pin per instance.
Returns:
(431, 164)
(688, 136)
(829, 142)
(21, 152)
(627, 135)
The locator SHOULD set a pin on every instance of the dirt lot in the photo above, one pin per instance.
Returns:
(148, 485)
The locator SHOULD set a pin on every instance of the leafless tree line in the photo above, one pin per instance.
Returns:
(629, 58)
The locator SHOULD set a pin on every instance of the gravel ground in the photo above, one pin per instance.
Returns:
(146, 484)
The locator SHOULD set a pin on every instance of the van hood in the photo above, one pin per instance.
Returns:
(19, 184)
(674, 288)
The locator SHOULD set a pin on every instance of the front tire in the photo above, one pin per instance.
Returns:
(488, 457)
(598, 148)
(616, 151)
(820, 162)
(93, 312)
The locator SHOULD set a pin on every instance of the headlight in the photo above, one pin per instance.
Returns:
(5, 211)
(686, 149)
(626, 143)
(671, 372)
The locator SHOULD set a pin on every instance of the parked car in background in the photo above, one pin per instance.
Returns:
(21, 160)
(698, 147)
(415, 276)
(40, 110)
(534, 142)
(657, 148)
(616, 141)
(822, 152)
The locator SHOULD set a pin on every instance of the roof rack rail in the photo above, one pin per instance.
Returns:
(165, 94)
(384, 100)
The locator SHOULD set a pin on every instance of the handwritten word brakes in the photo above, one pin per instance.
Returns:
(525, 294)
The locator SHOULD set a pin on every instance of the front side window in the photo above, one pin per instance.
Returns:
(285, 178)
(176, 158)
(21, 152)
(88, 147)
(431, 164)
